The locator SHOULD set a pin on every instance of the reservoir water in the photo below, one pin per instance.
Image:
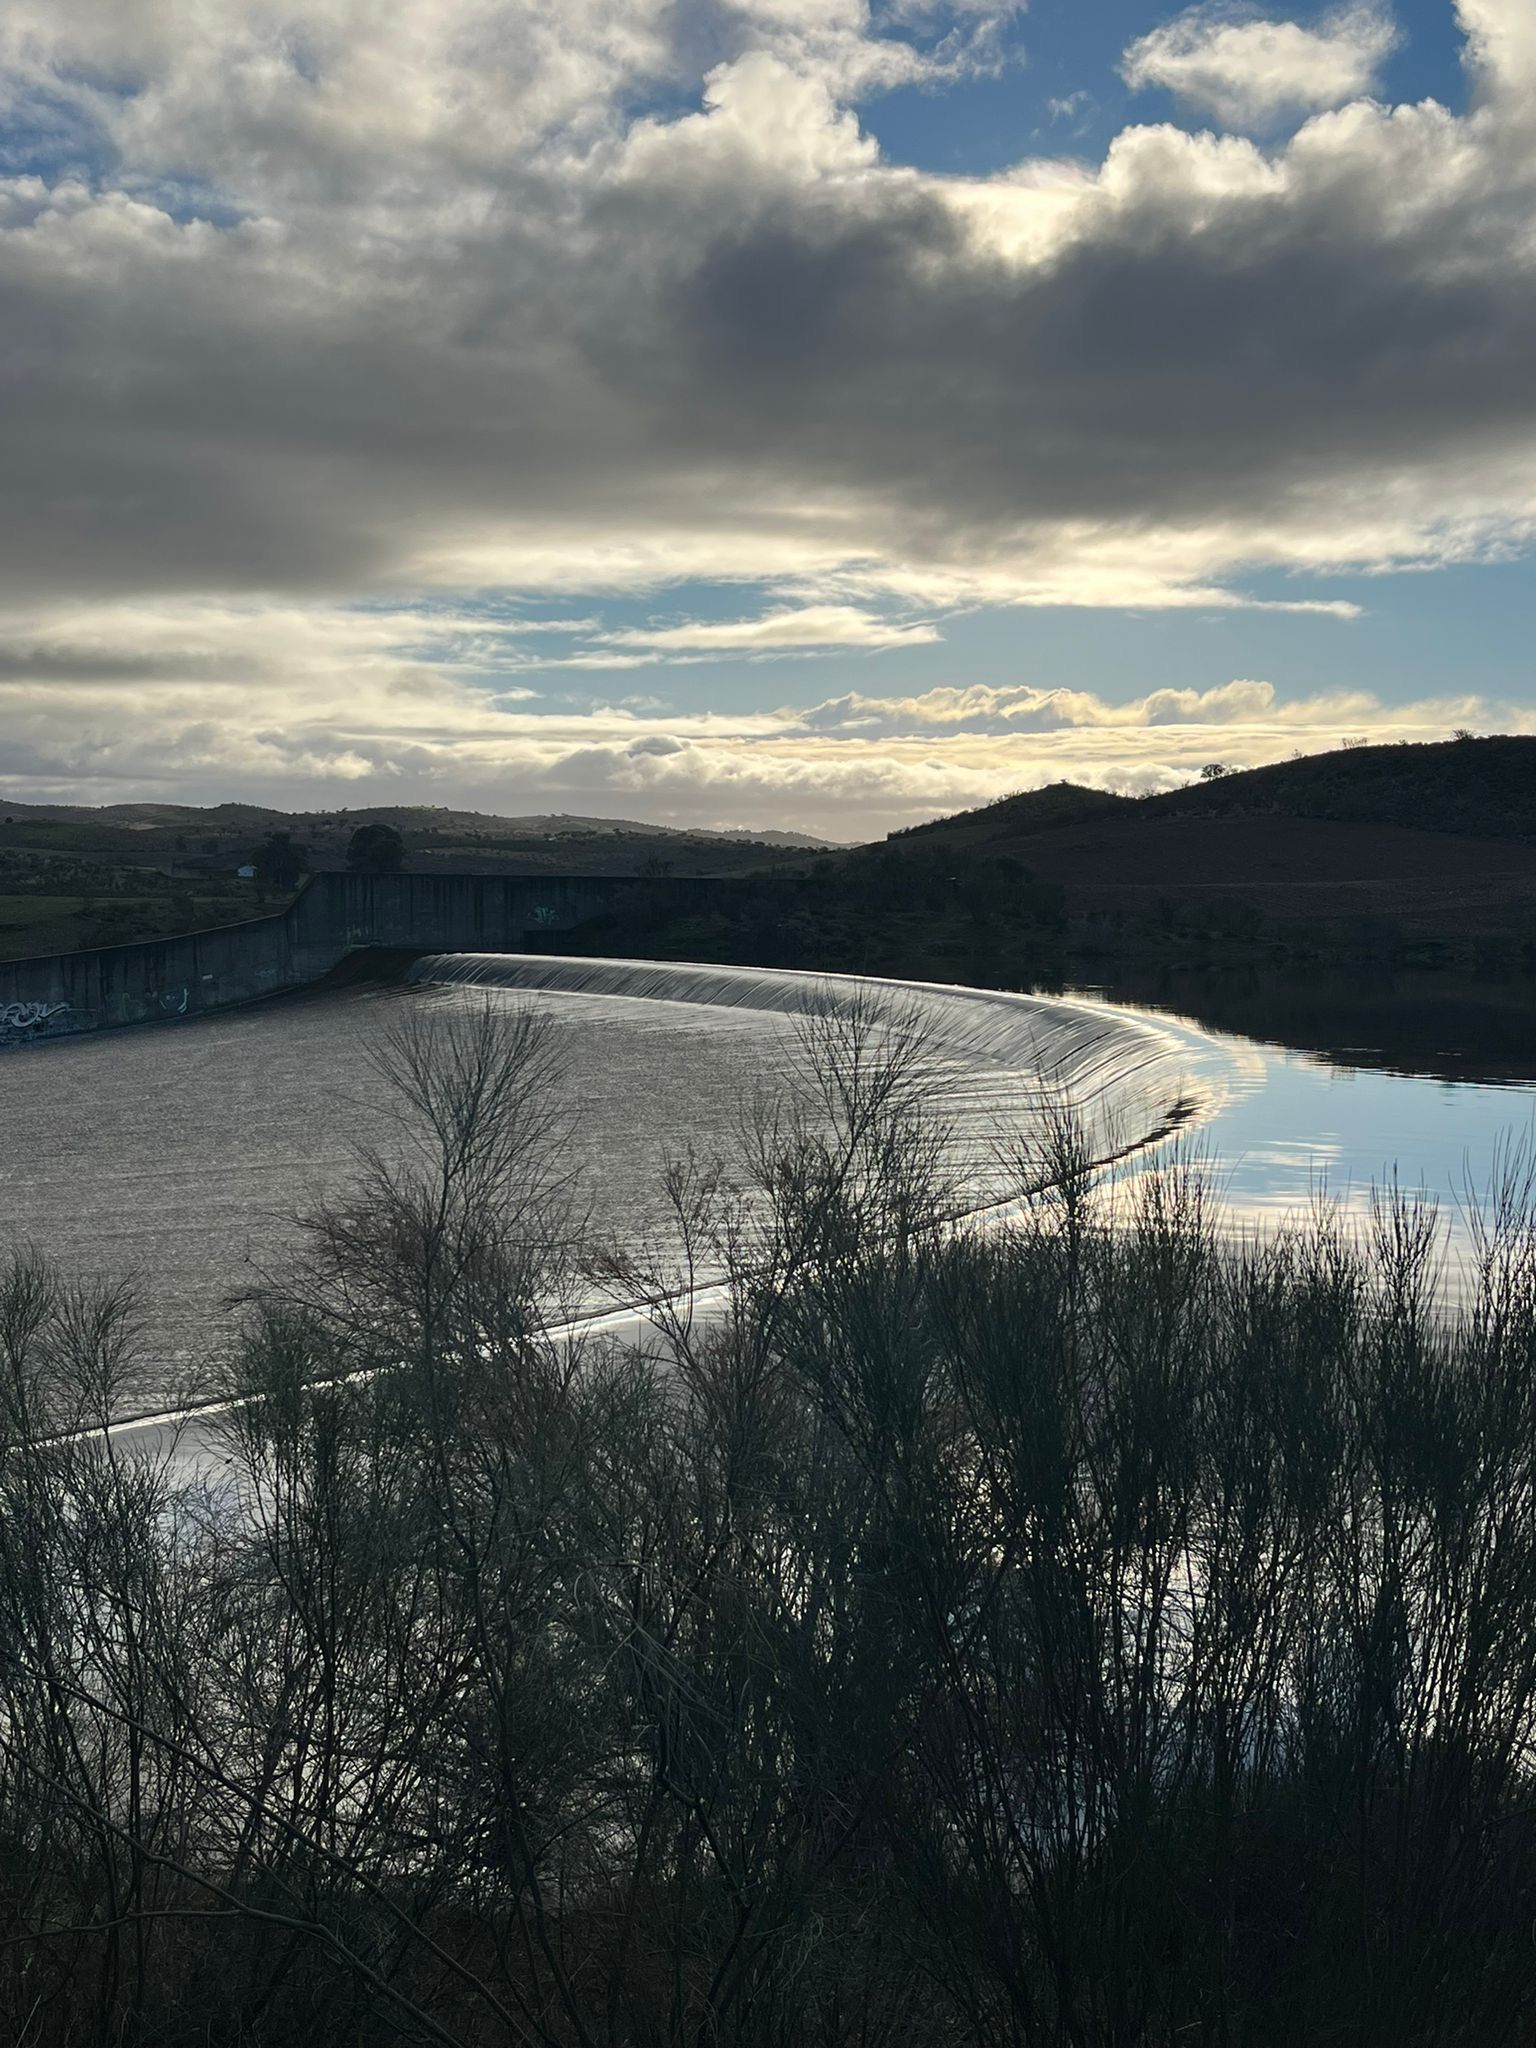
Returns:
(179, 1156)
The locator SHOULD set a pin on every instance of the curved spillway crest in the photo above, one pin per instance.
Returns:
(657, 1055)
(994, 1060)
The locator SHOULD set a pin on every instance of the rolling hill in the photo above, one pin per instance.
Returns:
(1439, 839)
(1380, 852)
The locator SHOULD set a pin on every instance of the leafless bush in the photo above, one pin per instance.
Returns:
(1098, 1631)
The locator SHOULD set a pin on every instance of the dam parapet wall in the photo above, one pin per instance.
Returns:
(153, 980)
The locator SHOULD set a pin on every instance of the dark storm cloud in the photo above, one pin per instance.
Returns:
(1146, 373)
(743, 321)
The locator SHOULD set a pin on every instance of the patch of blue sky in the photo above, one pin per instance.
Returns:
(57, 138)
(1427, 62)
(48, 136)
(1116, 655)
(490, 607)
(187, 199)
(1060, 92)
(704, 42)
(1463, 630)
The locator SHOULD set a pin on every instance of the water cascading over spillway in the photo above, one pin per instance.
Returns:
(994, 1064)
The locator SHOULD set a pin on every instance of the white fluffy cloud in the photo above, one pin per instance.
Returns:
(1245, 68)
(985, 708)
(791, 629)
(1502, 35)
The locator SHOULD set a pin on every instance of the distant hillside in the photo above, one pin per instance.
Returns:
(1013, 817)
(807, 842)
(139, 817)
(432, 820)
(73, 876)
(1482, 787)
(1435, 839)
(188, 839)
(1485, 787)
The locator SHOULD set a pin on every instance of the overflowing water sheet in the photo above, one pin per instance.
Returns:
(178, 1157)
(994, 1064)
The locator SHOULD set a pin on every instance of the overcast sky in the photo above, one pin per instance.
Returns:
(812, 413)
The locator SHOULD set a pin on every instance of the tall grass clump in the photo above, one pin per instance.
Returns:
(1102, 1630)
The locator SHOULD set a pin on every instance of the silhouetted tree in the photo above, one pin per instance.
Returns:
(375, 849)
(280, 861)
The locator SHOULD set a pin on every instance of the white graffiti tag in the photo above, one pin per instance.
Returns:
(18, 1019)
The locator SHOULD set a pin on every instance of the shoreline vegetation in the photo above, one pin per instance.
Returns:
(1096, 1632)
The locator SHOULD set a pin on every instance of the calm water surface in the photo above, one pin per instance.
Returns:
(178, 1156)
(1295, 1125)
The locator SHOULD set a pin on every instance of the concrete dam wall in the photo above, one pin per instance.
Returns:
(333, 915)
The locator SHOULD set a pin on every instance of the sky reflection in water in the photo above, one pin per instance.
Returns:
(1295, 1127)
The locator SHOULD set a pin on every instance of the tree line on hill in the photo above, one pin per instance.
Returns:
(281, 861)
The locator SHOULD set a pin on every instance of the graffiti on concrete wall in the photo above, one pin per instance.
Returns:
(173, 1003)
(21, 1021)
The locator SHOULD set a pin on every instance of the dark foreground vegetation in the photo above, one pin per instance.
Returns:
(1072, 1634)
